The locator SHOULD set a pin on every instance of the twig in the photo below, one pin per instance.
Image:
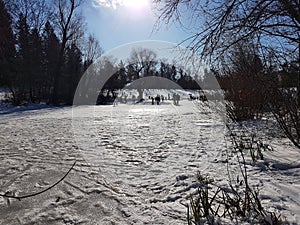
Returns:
(40, 192)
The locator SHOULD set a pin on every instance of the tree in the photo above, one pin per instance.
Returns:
(35, 71)
(272, 25)
(50, 46)
(37, 12)
(143, 62)
(28, 19)
(7, 46)
(92, 50)
(23, 78)
(73, 72)
(69, 23)
(29, 58)
(47, 51)
(226, 23)
(245, 71)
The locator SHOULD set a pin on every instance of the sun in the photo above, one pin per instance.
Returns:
(136, 4)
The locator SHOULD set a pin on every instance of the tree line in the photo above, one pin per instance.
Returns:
(109, 76)
(44, 50)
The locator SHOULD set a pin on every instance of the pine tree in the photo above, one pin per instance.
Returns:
(50, 46)
(35, 59)
(23, 58)
(72, 71)
(7, 46)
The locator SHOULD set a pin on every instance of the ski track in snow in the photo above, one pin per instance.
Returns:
(135, 164)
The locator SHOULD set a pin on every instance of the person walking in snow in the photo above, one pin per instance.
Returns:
(177, 99)
(157, 99)
(174, 99)
(116, 100)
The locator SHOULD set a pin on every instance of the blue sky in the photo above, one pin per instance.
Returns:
(118, 22)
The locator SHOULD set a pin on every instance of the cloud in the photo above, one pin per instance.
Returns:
(107, 3)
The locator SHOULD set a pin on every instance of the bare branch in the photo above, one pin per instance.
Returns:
(40, 192)
(225, 23)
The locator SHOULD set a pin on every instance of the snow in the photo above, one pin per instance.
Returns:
(135, 162)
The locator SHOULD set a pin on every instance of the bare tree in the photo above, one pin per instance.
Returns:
(272, 25)
(143, 61)
(92, 49)
(69, 23)
(246, 94)
(219, 25)
(36, 12)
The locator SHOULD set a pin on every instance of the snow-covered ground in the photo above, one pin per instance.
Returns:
(135, 163)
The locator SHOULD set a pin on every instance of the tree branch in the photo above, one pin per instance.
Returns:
(40, 192)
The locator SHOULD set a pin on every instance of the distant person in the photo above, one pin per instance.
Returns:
(152, 99)
(157, 99)
(177, 99)
(116, 100)
(174, 99)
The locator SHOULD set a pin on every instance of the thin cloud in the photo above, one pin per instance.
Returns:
(107, 3)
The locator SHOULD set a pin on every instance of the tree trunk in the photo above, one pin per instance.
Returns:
(298, 85)
(65, 24)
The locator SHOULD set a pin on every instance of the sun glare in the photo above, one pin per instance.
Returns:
(136, 4)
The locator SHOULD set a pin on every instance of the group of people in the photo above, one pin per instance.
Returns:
(202, 98)
(154, 100)
(160, 98)
(157, 99)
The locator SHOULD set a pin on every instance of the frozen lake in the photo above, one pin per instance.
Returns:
(135, 163)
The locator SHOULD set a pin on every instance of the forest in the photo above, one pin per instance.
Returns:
(45, 50)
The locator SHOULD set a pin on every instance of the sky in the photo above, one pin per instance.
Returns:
(119, 22)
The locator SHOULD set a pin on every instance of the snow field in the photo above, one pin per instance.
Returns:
(135, 163)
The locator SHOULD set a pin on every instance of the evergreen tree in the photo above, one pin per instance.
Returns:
(35, 66)
(23, 76)
(7, 46)
(50, 46)
(73, 71)
(121, 75)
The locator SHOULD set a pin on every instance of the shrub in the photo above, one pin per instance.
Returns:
(236, 201)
